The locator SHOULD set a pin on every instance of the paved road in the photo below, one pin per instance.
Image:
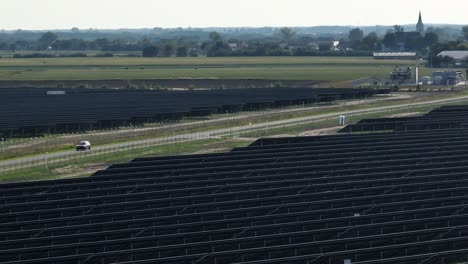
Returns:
(221, 120)
(45, 158)
(247, 115)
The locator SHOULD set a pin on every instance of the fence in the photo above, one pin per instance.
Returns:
(76, 156)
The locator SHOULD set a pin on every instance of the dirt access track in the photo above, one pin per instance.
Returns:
(159, 83)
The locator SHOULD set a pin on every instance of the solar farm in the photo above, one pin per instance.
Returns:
(389, 197)
(33, 111)
(446, 116)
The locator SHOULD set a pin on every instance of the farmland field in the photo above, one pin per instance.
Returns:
(324, 69)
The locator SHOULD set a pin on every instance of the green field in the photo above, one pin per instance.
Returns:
(325, 69)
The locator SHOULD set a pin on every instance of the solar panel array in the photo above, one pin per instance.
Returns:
(396, 197)
(453, 116)
(34, 111)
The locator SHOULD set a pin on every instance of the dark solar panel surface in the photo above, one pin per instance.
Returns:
(31, 109)
(396, 197)
(454, 116)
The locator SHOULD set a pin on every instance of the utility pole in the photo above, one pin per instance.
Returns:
(430, 55)
(466, 78)
(3, 145)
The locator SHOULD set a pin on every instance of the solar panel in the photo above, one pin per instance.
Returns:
(393, 197)
(35, 111)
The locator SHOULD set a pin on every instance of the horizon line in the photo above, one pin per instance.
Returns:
(225, 27)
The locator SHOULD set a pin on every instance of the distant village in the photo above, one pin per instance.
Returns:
(440, 46)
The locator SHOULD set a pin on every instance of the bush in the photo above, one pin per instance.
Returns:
(49, 55)
(105, 55)
(32, 55)
(73, 55)
(150, 51)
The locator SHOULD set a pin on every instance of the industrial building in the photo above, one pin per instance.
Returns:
(448, 77)
(401, 75)
(395, 55)
(459, 57)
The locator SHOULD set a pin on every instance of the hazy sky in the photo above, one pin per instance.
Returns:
(65, 14)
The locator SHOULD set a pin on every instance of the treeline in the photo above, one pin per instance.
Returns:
(217, 46)
(60, 55)
(50, 41)
(287, 42)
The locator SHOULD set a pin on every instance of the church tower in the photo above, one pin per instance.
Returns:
(420, 25)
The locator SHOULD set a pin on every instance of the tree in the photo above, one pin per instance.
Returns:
(22, 45)
(47, 39)
(356, 35)
(216, 47)
(325, 46)
(415, 43)
(150, 51)
(101, 43)
(447, 61)
(215, 36)
(434, 61)
(261, 50)
(287, 34)
(62, 45)
(398, 28)
(12, 47)
(465, 32)
(168, 49)
(370, 41)
(431, 39)
(182, 51)
(389, 40)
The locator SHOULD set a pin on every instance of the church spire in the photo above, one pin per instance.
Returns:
(420, 25)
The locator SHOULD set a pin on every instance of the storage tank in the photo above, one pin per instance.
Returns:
(437, 80)
(425, 80)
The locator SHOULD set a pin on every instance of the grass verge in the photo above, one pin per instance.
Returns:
(297, 129)
(87, 166)
(63, 143)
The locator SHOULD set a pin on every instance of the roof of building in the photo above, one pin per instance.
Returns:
(420, 25)
(404, 35)
(394, 54)
(455, 54)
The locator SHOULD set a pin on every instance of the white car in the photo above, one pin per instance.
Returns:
(83, 145)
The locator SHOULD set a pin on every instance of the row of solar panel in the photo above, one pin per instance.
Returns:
(444, 117)
(31, 109)
(397, 197)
